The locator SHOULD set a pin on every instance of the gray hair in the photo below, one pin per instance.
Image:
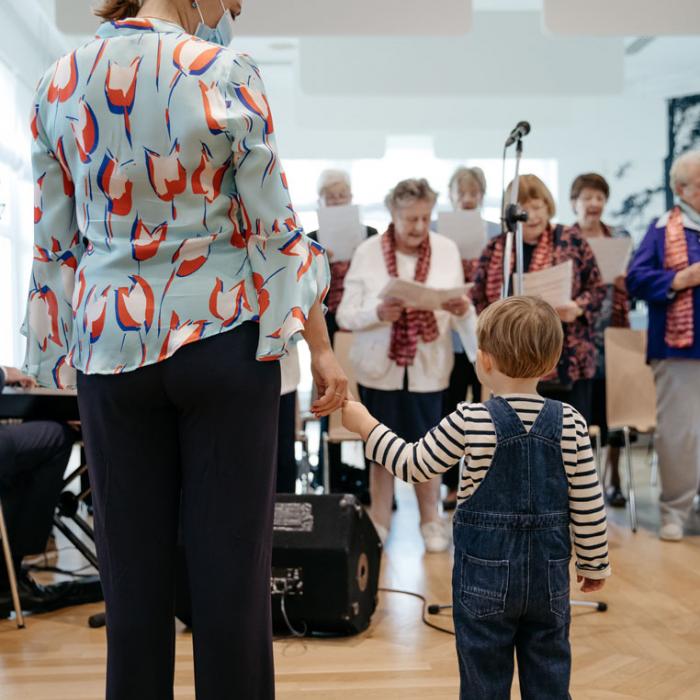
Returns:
(681, 166)
(332, 177)
(409, 191)
(474, 174)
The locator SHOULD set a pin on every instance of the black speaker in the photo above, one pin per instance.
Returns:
(325, 564)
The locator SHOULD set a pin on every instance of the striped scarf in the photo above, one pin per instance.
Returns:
(542, 257)
(679, 318)
(412, 324)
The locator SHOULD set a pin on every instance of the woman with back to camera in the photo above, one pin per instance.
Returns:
(168, 260)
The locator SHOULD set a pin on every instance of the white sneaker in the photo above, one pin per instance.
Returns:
(671, 532)
(435, 536)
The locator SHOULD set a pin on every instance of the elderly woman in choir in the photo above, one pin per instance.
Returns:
(588, 195)
(544, 246)
(665, 272)
(401, 356)
(335, 190)
(467, 188)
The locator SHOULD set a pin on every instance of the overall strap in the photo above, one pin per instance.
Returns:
(548, 424)
(505, 420)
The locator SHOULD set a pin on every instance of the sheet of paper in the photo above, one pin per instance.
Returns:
(553, 284)
(466, 229)
(612, 255)
(340, 230)
(418, 296)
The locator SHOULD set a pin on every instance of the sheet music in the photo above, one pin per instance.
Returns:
(553, 284)
(340, 229)
(467, 229)
(419, 296)
(612, 256)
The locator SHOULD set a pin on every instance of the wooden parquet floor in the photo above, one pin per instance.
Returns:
(646, 647)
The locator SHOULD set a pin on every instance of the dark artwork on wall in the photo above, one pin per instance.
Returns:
(683, 133)
(638, 208)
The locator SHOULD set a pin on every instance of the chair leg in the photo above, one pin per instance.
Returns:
(653, 462)
(631, 495)
(11, 574)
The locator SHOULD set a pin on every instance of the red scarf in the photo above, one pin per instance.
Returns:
(412, 324)
(542, 257)
(679, 318)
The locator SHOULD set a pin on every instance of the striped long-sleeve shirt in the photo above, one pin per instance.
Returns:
(468, 436)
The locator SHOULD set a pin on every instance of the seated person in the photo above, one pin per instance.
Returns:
(33, 459)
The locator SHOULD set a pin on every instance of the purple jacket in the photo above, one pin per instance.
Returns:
(647, 279)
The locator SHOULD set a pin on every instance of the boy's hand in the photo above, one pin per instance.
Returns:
(357, 419)
(590, 584)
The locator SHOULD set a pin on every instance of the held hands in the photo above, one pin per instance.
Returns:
(570, 312)
(14, 376)
(457, 306)
(330, 380)
(357, 419)
(685, 279)
(590, 584)
(390, 310)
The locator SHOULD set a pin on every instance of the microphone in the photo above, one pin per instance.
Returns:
(521, 129)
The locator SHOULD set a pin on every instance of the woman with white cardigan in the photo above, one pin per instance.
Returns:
(402, 357)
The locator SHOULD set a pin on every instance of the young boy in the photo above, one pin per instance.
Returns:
(528, 477)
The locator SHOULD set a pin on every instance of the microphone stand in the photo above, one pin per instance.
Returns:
(512, 221)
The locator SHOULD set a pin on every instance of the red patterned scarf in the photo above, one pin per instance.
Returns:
(339, 271)
(542, 257)
(412, 324)
(679, 317)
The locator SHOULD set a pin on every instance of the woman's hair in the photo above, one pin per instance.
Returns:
(592, 181)
(409, 191)
(470, 175)
(332, 177)
(681, 166)
(114, 10)
(531, 187)
(523, 335)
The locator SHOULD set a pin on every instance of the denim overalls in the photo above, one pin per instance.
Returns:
(511, 572)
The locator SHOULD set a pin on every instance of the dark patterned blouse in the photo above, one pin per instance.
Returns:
(578, 359)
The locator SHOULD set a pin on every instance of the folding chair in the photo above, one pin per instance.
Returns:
(342, 342)
(11, 574)
(631, 395)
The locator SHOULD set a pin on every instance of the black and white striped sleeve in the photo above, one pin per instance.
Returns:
(586, 504)
(414, 462)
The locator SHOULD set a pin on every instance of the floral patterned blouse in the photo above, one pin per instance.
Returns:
(162, 214)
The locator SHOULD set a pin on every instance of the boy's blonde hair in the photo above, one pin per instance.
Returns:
(523, 335)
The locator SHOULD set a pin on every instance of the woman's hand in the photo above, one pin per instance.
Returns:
(457, 306)
(390, 310)
(570, 312)
(330, 380)
(685, 279)
(357, 419)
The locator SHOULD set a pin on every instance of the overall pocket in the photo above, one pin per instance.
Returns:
(559, 586)
(484, 585)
